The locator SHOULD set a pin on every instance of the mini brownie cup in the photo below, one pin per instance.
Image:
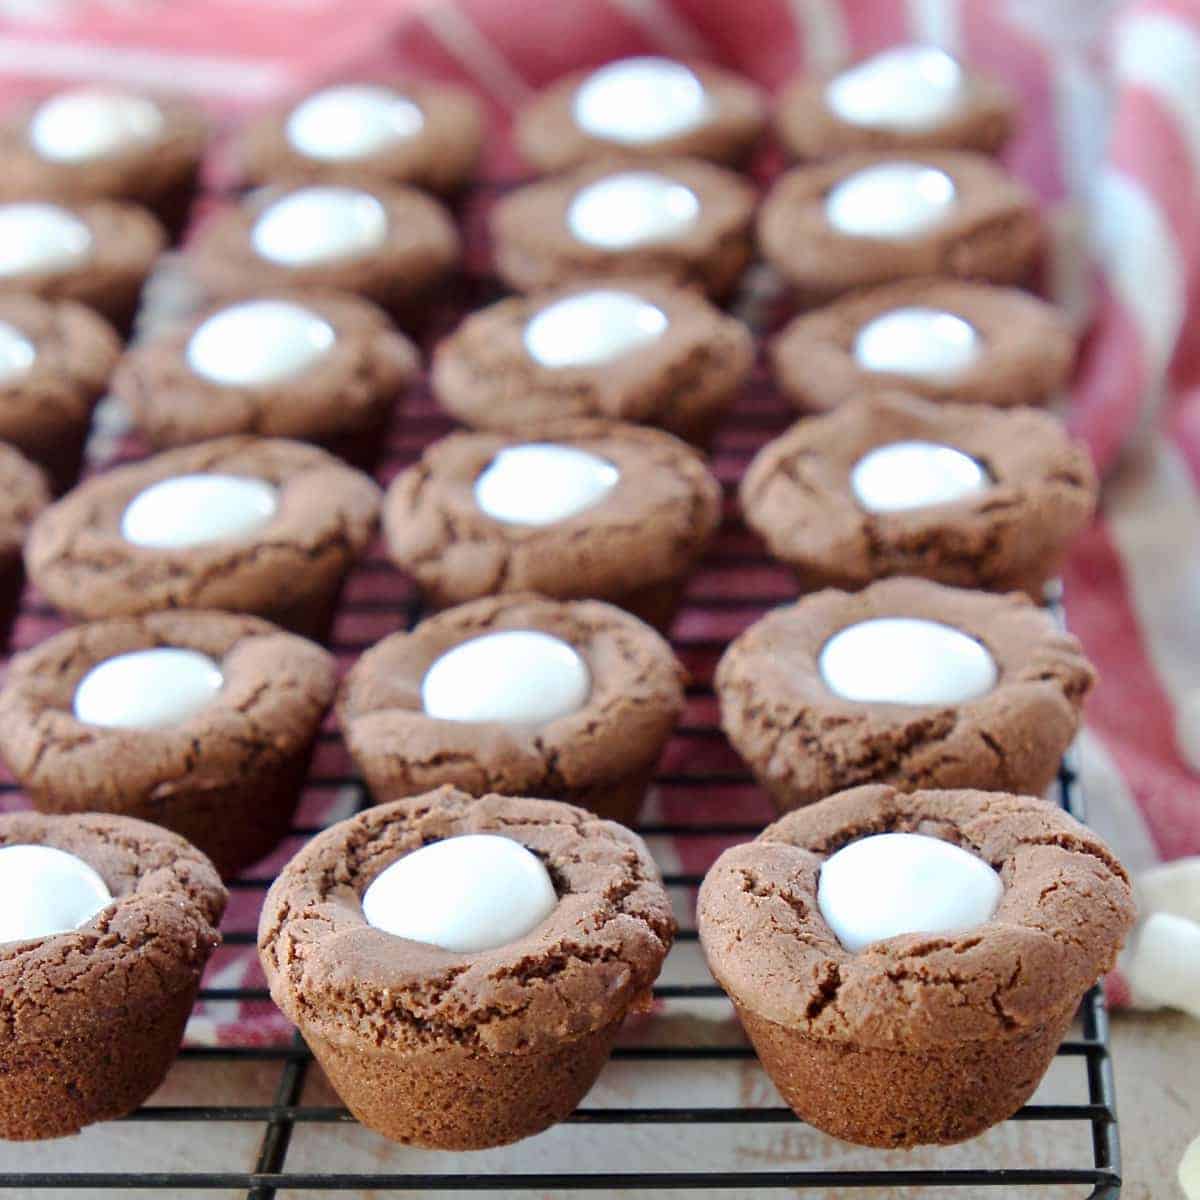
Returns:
(682, 221)
(639, 108)
(97, 254)
(320, 367)
(912, 988)
(23, 494)
(107, 925)
(908, 683)
(202, 722)
(519, 695)
(872, 218)
(55, 363)
(461, 966)
(256, 525)
(592, 510)
(92, 143)
(895, 485)
(961, 343)
(389, 244)
(630, 351)
(906, 98)
(428, 135)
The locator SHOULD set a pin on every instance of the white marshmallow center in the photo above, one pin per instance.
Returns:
(541, 483)
(259, 342)
(895, 883)
(907, 475)
(515, 677)
(633, 208)
(191, 510)
(640, 100)
(84, 124)
(317, 225)
(41, 238)
(468, 893)
(17, 353)
(352, 121)
(891, 200)
(593, 328)
(926, 343)
(907, 90)
(906, 660)
(147, 689)
(44, 891)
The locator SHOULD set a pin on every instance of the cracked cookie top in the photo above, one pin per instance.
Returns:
(596, 954)
(1065, 910)
(149, 943)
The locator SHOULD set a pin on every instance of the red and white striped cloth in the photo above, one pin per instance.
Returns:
(1111, 142)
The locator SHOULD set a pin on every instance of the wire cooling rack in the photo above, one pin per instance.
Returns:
(683, 1107)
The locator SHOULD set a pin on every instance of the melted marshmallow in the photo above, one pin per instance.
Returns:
(541, 483)
(17, 353)
(315, 225)
(36, 238)
(895, 883)
(906, 660)
(630, 209)
(593, 328)
(192, 510)
(926, 343)
(85, 124)
(468, 893)
(640, 100)
(908, 89)
(515, 676)
(907, 475)
(44, 891)
(352, 121)
(147, 689)
(258, 342)
(890, 200)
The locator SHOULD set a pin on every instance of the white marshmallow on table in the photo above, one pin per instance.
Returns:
(895, 883)
(352, 121)
(44, 891)
(17, 353)
(631, 209)
(514, 677)
(1189, 1171)
(926, 343)
(908, 89)
(640, 100)
(541, 483)
(259, 342)
(592, 328)
(37, 238)
(315, 225)
(84, 124)
(192, 510)
(468, 893)
(147, 689)
(1163, 967)
(891, 200)
(902, 476)
(1172, 887)
(906, 660)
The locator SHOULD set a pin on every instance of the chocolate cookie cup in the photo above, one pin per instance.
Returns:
(961, 343)
(386, 243)
(202, 722)
(591, 510)
(895, 485)
(906, 98)
(579, 711)
(637, 351)
(23, 494)
(638, 108)
(94, 1011)
(428, 135)
(320, 367)
(97, 254)
(89, 143)
(255, 525)
(907, 683)
(871, 218)
(920, 1037)
(462, 1050)
(681, 221)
